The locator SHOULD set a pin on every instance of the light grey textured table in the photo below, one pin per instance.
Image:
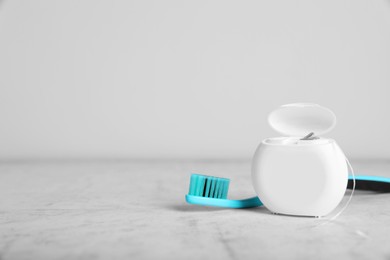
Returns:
(136, 210)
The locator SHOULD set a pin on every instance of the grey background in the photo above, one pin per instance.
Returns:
(107, 107)
(187, 79)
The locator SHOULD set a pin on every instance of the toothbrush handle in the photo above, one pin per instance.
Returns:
(373, 183)
(237, 204)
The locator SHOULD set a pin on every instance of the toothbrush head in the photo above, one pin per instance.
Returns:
(212, 191)
(208, 186)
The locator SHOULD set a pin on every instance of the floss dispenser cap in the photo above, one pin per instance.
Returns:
(299, 119)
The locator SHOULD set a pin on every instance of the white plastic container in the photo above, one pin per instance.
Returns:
(300, 177)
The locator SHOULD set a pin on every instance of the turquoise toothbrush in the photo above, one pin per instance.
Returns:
(212, 191)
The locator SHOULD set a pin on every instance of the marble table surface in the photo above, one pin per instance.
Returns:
(136, 210)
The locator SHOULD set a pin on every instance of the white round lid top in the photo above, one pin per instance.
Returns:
(300, 119)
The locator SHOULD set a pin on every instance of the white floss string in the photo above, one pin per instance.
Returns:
(350, 196)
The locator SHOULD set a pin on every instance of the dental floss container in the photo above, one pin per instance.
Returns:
(300, 173)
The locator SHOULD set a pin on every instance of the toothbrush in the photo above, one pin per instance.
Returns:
(212, 191)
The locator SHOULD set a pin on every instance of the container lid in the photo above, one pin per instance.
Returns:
(300, 119)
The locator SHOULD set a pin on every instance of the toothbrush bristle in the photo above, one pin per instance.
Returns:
(209, 186)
